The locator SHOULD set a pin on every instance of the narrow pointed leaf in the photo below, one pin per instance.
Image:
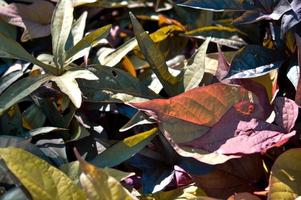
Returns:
(69, 86)
(81, 47)
(21, 89)
(60, 29)
(11, 49)
(155, 58)
(124, 149)
(219, 5)
(195, 70)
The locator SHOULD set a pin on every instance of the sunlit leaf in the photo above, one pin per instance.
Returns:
(124, 149)
(222, 35)
(69, 86)
(285, 176)
(155, 58)
(195, 69)
(100, 185)
(60, 29)
(81, 47)
(45, 181)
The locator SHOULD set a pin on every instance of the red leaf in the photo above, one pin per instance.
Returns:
(203, 106)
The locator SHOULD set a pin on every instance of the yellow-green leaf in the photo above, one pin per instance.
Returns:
(43, 181)
(155, 58)
(189, 192)
(99, 185)
(84, 44)
(286, 176)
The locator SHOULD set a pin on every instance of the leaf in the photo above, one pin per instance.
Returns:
(45, 182)
(155, 58)
(203, 106)
(237, 175)
(60, 29)
(253, 137)
(21, 89)
(253, 61)
(11, 49)
(285, 176)
(99, 185)
(77, 31)
(112, 82)
(124, 149)
(219, 5)
(221, 35)
(188, 192)
(116, 56)
(69, 86)
(33, 117)
(195, 69)
(9, 79)
(85, 43)
(286, 113)
(34, 18)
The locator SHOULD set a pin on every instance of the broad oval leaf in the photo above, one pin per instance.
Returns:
(285, 177)
(21, 89)
(45, 182)
(203, 106)
(60, 29)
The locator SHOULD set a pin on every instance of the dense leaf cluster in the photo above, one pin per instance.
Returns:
(150, 99)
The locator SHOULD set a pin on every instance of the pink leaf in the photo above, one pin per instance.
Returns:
(286, 113)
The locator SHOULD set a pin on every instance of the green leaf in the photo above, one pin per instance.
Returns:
(43, 181)
(285, 177)
(84, 44)
(99, 185)
(112, 82)
(69, 86)
(9, 79)
(11, 49)
(155, 58)
(222, 35)
(124, 149)
(195, 70)
(60, 28)
(21, 89)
